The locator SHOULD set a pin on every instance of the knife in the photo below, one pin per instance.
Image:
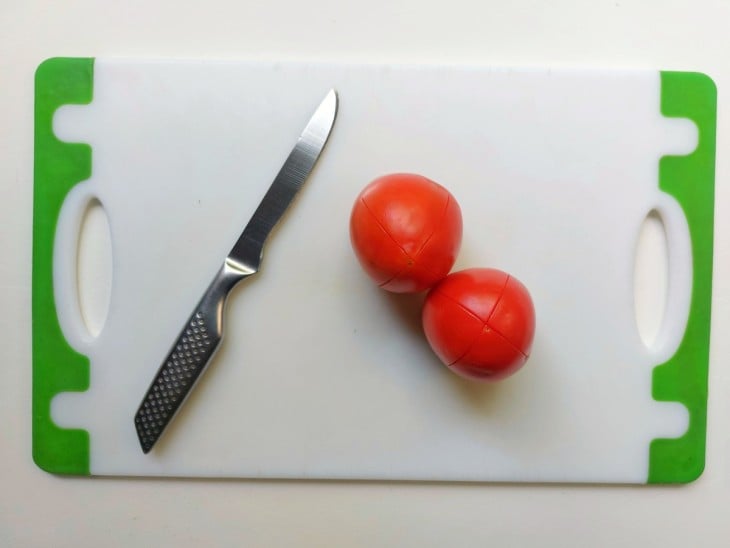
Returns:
(198, 341)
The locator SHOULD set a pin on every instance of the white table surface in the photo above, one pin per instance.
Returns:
(37, 509)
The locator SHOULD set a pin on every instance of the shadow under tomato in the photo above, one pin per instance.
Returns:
(482, 396)
(407, 307)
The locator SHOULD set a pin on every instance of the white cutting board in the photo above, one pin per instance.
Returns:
(321, 374)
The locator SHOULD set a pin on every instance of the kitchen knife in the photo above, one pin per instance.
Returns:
(203, 332)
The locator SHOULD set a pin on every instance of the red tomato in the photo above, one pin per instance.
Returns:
(480, 322)
(406, 232)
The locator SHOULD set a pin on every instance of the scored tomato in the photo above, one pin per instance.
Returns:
(480, 322)
(405, 230)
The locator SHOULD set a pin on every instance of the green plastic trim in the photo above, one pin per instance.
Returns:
(691, 181)
(58, 167)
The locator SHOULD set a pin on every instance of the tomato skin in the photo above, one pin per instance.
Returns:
(480, 322)
(405, 230)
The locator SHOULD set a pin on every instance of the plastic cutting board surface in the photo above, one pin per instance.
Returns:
(321, 374)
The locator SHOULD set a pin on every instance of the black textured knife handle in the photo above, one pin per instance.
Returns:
(186, 361)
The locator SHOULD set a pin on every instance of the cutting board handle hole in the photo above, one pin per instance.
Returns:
(94, 267)
(651, 278)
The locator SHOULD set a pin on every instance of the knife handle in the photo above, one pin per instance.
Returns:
(185, 362)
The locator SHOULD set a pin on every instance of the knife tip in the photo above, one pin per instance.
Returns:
(332, 100)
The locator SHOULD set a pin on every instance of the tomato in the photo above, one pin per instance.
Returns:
(480, 322)
(405, 230)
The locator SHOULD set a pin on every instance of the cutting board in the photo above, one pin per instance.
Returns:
(321, 374)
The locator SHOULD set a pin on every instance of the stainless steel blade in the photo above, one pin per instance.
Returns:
(199, 340)
(247, 250)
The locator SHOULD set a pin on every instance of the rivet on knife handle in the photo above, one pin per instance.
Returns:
(203, 332)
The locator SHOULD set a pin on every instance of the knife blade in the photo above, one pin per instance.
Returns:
(201, 336)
